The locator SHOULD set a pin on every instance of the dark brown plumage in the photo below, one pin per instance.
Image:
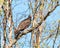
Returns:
(23, 25)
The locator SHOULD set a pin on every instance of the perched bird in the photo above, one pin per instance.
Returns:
(23, 25)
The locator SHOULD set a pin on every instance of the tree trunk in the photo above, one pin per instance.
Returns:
(4, 22)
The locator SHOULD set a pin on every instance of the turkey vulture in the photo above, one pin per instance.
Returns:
(23, 25)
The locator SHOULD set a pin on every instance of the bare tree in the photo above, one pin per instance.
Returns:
(38, 11)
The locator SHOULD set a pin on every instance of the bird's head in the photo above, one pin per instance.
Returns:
(30, 16)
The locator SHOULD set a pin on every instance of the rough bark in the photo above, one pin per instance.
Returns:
(4, 21)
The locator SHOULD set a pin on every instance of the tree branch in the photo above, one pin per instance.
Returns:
(56, 34)
(31, 29)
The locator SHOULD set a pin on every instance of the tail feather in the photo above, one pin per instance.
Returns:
(16, 35)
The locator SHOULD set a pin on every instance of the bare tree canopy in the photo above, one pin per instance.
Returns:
(30, 23)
